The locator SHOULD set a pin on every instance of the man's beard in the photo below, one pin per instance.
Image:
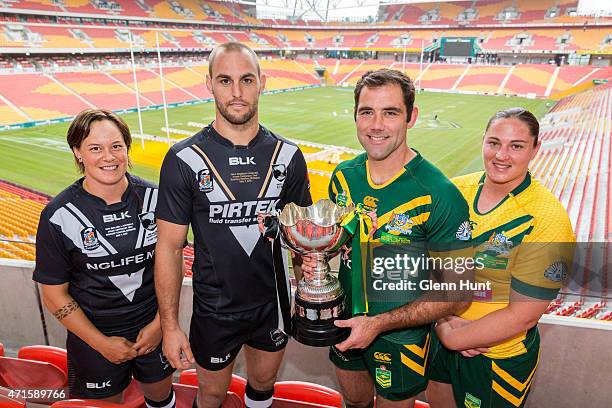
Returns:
(237, 119)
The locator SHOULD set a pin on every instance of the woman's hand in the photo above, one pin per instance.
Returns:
(149, 337)
(117, 350)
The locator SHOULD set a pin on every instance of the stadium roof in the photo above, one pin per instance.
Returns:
(367, 10)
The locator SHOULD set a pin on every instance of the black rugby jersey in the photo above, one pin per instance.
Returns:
(220, 188)
(104, 251)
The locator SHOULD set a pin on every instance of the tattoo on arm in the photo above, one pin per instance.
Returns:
(66, 310)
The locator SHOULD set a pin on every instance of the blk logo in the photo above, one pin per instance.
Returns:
(116, 217)
(98, 386)
(241, 161)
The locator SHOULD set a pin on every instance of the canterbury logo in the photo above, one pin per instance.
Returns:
(384, 357)
(370, 202)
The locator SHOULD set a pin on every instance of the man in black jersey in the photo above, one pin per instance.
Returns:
(218, 181)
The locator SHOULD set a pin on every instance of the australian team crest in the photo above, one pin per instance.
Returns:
(464, 233)
(90, 239)
(148, 221)
(499, 243)
(400, 224)
(205, 181)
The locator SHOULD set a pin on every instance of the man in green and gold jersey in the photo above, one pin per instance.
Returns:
(523, 235)
(387, 351)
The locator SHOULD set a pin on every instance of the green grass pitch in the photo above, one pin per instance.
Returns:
(40, 159)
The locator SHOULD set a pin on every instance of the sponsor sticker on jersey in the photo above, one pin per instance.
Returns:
(147, 220)
(556, 272)
(341, 199)
(383, 376)
(464, 233)
(279, 172)
(471, 401)
(387, 238)
(90, 238)
(205, 181)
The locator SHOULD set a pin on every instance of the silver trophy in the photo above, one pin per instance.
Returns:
(316, 231)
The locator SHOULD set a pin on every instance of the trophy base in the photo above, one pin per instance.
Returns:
(313, 324)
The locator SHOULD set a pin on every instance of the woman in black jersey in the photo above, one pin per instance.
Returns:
(94, 260)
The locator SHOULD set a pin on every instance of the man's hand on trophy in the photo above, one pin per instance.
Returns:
(363, 332)
(268, 225)
(309, 264)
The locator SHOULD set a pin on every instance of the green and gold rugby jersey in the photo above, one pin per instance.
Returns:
(526, 245)
(418, 205)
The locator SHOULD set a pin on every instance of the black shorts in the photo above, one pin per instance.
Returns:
(216, 338)
(90, 375)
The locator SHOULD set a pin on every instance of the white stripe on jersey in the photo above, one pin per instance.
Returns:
(128, 283)
(88, 223)
(284, 157)
(197, 164)
(145, 236)
(246, 235)
(72, 227)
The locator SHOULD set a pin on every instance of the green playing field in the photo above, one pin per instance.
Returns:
(448, 131)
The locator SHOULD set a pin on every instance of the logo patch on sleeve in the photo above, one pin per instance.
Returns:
(556, 272)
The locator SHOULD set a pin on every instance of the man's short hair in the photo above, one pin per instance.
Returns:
(231, 47)
(385, 76)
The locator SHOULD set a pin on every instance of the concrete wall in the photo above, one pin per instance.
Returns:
(575, 366)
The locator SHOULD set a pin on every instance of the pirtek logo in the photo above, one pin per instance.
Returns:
(245, 209)
(98, 386)
(384, 357)
(116, 217)
(241, 161)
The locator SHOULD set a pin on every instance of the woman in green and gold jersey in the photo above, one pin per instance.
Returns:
(523, 242)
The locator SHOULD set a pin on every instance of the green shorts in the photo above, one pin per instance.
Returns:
(398, 370)
(483, 382)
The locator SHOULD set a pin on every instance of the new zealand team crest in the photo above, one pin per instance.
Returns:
(279, 171)
(205, 181)
(148, 221)
(90, 239)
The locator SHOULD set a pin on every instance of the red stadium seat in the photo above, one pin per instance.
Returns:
(307, 392)
(84, 403)
(132, 398)
(237, 385)
(19, 373)
(1, 349)
(48, 354)
(185, 394)
(10, 402)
